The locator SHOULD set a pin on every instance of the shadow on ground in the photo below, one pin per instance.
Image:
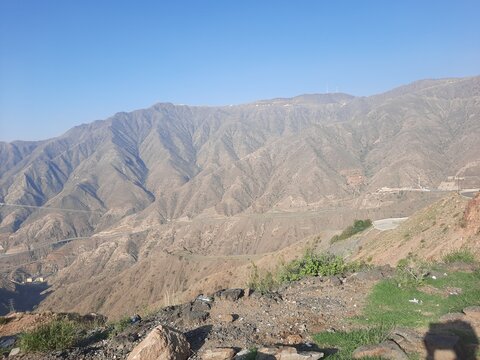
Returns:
(196, 337)
(454, 337)
(26, 297)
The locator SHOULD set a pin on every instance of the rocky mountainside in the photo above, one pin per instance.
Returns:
(186, 191)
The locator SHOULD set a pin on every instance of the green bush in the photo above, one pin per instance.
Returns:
(312, 264)
(462, 255)
(358, 226)
(57, 335)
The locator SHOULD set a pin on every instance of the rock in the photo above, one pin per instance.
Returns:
(472, 313)
(95, 318)
(204, 298)
(409, 341)
(386, 350)
(310, 355)
(266, 353)
(286, 353)
(290, 353)
(334, 280)
(242, 354)
(135, 318)
(293, 339)
(226, 318)
(452, 317)
(7, 341)
(14, 351)
(218, 354)
(230, 294)
(196, 311)
(162, 343)
(372, 274)
(247, 292)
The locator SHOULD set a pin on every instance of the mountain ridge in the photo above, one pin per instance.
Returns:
(243, 179)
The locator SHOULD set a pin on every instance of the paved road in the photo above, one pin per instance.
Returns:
(388, 224)
(42, 245)
(51, 208)
(469, 193)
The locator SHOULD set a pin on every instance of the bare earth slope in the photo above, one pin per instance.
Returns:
(146, 186)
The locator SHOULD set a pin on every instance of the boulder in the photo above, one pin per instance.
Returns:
(290, 353)
(266, 353)
(163, 343)
(196, 311)
(14, 352)
(452, 317)
(409, 341)
(386, 350)
(472, 313)
(218, 354)
(230, 294)
(287, 353)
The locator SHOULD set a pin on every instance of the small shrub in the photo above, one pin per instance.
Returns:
(411, 272)
(261, 283)
(57, 335)
(358, 226)
(461, 255)
(120, 325)
(4, 320)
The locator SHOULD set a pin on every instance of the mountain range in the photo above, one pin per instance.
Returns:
(146, 204)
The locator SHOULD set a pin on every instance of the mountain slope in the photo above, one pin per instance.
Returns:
(231, 180)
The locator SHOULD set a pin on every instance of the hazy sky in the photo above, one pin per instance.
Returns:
(63, 63)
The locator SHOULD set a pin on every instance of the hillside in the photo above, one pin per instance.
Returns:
(445, 226)
(155, 200)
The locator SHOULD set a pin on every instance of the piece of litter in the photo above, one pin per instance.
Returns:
(414, 300)
(434, 277)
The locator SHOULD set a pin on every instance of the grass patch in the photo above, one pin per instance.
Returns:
(347, 342)
(358, 226)
(57, 335)
(462, 255)
(389, 304)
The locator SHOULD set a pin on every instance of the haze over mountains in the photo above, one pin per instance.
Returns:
(153, 190)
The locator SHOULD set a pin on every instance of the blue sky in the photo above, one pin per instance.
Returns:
(63, 63)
